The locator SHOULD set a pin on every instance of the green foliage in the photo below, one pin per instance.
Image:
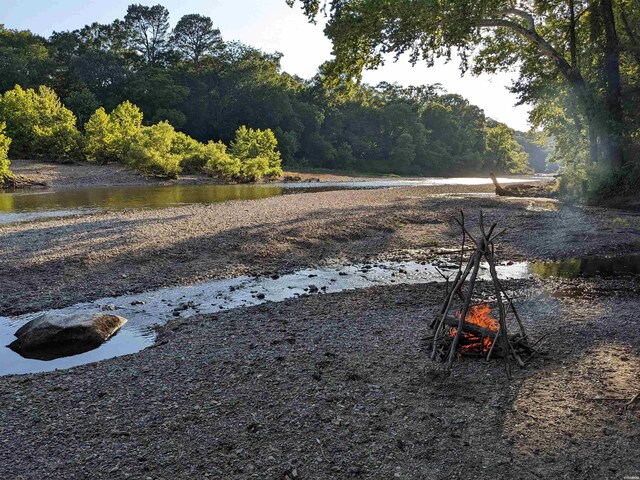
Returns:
(192, 158)
(219, 163)
(25, 59)
(108, 137)
(5, 141)
(504, 153)
(152, 151)
(258, 153)
(39, 125)
(82, 103)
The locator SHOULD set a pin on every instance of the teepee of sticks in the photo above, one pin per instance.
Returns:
(473, 330)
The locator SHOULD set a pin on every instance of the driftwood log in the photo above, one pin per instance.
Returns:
(469, 327)
(20, 181)
(501, 191)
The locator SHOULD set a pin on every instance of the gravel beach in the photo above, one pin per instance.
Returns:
(54, 263)
(340, 386)
(326, 386)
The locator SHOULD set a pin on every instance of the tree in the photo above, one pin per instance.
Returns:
(504, 153)
(219, 163)
(39, 125)
(24, 58)
(194, 37)
(151, 151)
(504, 32)
(5, 173)
(148, 30)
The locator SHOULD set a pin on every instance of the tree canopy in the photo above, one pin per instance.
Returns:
(578, 59)
(207, 89)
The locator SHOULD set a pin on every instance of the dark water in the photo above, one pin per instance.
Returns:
(123, 197)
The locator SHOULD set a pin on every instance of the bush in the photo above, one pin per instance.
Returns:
(5, 141)
(108, 137)
(191, 152)
(151, 151)
(219, 163)
(257, 151)
(39, 125)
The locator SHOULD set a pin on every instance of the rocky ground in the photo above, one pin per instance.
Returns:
(340, 386)
(63, 261)
(327, 386)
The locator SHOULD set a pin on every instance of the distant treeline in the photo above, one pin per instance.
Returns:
(207, 89)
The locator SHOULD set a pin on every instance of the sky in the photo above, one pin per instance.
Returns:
(272, 26)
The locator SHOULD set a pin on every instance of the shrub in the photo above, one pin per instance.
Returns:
(151, 151)
(219, 163)
(257, 151)
(5, 141)
(108, 137)
(39, 125)
(190, 151)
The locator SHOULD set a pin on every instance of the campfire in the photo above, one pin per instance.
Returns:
(477, 343)
(478, 329)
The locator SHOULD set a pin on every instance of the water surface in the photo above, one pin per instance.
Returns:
(27, 205)
(147, 310)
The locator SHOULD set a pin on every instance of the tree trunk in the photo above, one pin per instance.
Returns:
(613, 144)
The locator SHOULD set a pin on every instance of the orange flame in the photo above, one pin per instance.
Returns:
(479, 315)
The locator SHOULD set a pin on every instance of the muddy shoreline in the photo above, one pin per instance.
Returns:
(82, 175)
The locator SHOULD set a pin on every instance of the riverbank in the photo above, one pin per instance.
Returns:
(82, 174)
(340, 386)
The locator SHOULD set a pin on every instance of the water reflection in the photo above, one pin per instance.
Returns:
(118, 198)
(588, 267)
(155, 196)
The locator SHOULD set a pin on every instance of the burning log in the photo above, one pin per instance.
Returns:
(473, 330)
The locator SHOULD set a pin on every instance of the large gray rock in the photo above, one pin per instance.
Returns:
(55, 335)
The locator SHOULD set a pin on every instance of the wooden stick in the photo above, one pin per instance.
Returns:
(503, 319)
(464, 229)
(513, 308)
(493, 344)
(465, 308)
(448, 302)
(470, 327)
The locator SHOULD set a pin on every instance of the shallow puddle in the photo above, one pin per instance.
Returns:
(147, 310)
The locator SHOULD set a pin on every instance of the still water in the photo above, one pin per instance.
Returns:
(33, 204)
